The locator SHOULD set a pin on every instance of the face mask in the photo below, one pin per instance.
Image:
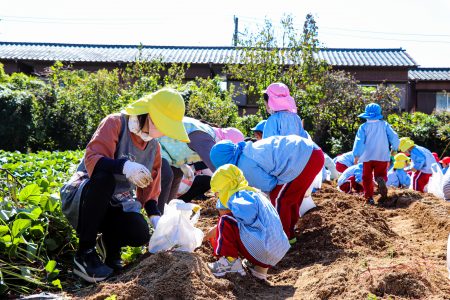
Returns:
(133, 126)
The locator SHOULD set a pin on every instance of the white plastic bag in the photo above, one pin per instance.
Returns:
(176, 230)
(307, 204)
(317, 183)
(436, 181)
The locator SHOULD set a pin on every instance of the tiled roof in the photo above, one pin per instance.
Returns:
(430, 74)
(184, 54)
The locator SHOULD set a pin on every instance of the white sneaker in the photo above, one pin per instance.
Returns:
(251, 267)
(224, 266)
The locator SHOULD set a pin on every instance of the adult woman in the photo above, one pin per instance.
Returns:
(113, 181)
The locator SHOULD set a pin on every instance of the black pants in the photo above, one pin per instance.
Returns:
(200, 185)
(119, 228)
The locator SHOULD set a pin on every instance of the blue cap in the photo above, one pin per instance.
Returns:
(260, 126)
(372, 112)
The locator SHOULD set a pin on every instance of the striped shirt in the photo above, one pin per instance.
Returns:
(259, 226)
(446, 186)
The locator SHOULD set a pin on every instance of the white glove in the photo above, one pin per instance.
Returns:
(187, 172)
(137, 174)
(154, 220)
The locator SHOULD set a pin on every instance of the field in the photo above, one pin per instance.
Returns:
(345, 250)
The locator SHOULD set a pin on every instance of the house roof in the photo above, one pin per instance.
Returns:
(345, 57)
(430, 74)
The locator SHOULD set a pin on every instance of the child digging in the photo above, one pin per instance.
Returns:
(371, 147)
(397, 176)
(284, 167)
(421, 159)
(248, 227)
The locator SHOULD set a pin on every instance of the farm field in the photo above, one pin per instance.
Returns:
(345, 250)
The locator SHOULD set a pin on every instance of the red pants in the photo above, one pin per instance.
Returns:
(228, 242)
(420, 180)
(373, 169)
(350, 184)
(288, 197)
(340, 167)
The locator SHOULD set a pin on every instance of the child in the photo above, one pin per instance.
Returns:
(351, 179)
(397, 176)
(344, 161)
(259, 129)
(422, 159)
(283, 110)
(229, 133)
(248, 227)
(284, 166)
(371, 147)
(445, 163)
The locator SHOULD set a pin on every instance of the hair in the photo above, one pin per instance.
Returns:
(266, 97)
(142, 119)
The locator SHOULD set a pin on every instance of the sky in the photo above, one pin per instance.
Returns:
(422, 27)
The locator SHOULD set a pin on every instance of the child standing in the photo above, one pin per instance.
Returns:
(397, 176)
(248, 227)
(422, 159)
(284, 166)
(372, 148)
(351, 180)
(283, 110)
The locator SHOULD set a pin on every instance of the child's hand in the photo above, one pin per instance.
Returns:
(355, 162)
(211, 234)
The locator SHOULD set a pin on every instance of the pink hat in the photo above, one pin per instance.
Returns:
(279, 98)
(230, 133)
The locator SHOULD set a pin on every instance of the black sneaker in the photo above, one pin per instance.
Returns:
(88, 266)
(110, 257)
(382, 188)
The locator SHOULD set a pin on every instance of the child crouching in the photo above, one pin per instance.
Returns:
(249, 227)
(397, 176)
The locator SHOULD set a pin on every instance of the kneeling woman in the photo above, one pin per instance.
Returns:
(120, 174)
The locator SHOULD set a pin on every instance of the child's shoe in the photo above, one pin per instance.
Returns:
(251, 267)
(370, 201)
(224, 266)
(382, 188)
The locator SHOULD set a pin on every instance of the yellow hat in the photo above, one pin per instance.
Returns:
(227, 180)
(166, 108)
(401, 161)
(405, 144)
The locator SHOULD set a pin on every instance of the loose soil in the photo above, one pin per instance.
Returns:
(345, 250)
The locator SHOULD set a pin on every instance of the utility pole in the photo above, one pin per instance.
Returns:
(235, 35)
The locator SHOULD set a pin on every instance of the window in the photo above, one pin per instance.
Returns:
(443, 101)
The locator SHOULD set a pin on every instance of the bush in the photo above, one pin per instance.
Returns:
(16, 103)
(430, 131)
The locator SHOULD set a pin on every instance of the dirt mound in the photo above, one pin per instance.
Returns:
(345, 250)
(166, 275)
(342, 223)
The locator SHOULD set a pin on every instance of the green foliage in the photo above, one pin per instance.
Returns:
(16, 104)
(291, 60)
(336, 119)
(35, 237)
(430, 131)
(246, 122)
(208, 102)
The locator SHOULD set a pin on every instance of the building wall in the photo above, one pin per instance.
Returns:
(426, 102)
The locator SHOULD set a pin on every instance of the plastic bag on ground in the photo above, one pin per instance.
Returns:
(176, 230)
(436, 181)
(307, 204)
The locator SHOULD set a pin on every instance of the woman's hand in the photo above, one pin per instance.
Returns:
(137, 174)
